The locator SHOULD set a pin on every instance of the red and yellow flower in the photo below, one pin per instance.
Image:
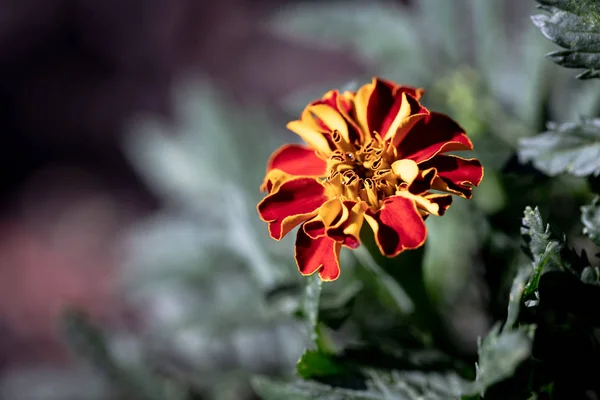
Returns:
(374, 155)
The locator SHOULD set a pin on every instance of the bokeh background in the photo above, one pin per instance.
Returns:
(134, 136)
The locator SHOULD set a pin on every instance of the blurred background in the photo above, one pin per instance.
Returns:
(134, 138)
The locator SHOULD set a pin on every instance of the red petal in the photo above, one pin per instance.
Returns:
(399, 89)
(348, 232)
(436, 133)
(295, 159)
(458, 174)
(415, 108)
(292, 203)
(330, 214)
(424, 180)
(444, 201)
(344, 106)
(397, 226)
(379, 105)
(322, 254)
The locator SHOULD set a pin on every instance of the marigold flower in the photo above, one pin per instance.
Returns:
(374, 155)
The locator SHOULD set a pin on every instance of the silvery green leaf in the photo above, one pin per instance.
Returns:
(590, 217)
(394, 385)
(544, 250)
(574, 25)
(572, 147)
(500, 354)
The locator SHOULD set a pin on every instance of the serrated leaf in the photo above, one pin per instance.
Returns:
(574, 25)
(590, 217)
(544, 251)
(572, 147)
(500, 354)
(516, 294)
(396, 385)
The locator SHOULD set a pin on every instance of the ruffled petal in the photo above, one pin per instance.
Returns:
(331, 119)
(404, 114)
(398, 89)
(422, 184)
(434, 134)
(455, 174)
(406, 170)
(348, 232)
(274, 179)
(345, 105)
(331, 214)
(314, 137)
(294, 202)
(379, 106)
(397, 226)
(295, 159)
(361, 102)
(432, 203)
(322, 255)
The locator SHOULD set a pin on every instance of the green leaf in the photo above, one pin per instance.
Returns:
(574, 25)
(572, 147)
(544, 251)
(315, 364)
(591, 275)
(310, 307)
(395, 385)
(590, 217)
(516, 294)
(500, 354)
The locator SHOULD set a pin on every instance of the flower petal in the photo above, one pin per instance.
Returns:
(330, 214)
(292, 203)
(295, 159)
(424, 181)
(404, 114)
(313, 137)
(345, 104)
(361, 103)
(348, 233)
(274, 179)
(397, 226)
(379, 105)
(456, 175)
(322, 255)
(433, 203)
(442, 201)
(436, 133)
(331, 118)
(406, 170)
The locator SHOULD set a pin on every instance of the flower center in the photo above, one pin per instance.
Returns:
(362, 172)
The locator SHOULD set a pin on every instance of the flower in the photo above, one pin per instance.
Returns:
(374, 155)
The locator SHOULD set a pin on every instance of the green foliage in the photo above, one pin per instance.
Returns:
(571, 147)
(223, 302)
(574, 25)
(545, 252)
(378, 386)
(500, 354)
(590, 217)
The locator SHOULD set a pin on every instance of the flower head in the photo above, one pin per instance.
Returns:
(374, 155)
